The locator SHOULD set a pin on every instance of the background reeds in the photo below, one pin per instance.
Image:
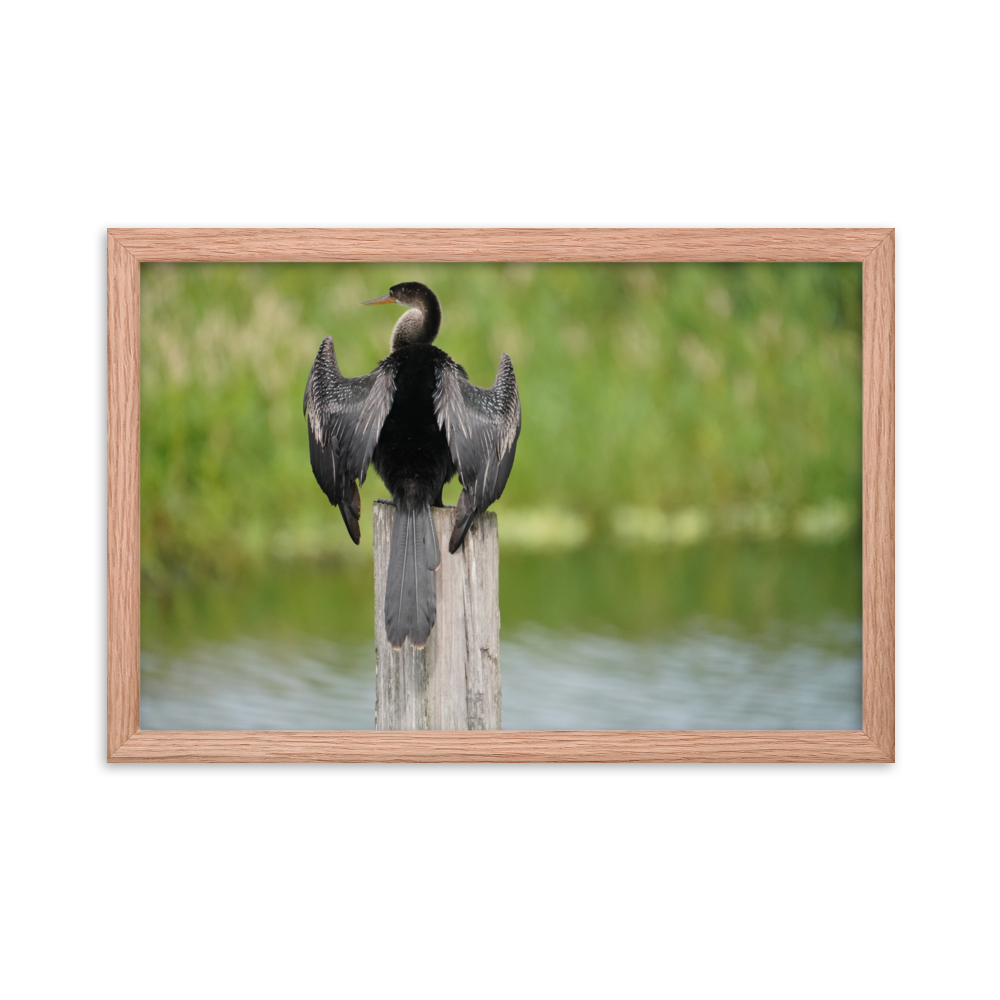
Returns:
(663, 405)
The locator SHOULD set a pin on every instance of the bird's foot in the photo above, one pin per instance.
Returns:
(391, 503)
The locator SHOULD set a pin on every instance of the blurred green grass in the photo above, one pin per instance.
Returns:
(631, 593)
(663, 404)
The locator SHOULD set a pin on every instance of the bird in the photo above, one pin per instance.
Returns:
(418, 420)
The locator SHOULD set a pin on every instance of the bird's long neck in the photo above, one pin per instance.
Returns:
(420, 323)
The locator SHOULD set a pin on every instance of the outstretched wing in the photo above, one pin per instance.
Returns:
(345, 417)
(482, 426)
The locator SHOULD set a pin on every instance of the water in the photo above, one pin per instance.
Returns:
(697, 679)
(744, 637)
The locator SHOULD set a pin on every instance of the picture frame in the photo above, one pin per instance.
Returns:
(873, 248)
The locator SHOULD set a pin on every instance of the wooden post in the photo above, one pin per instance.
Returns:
(454, 682)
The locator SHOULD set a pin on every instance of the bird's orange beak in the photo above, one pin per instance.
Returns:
(382, 300)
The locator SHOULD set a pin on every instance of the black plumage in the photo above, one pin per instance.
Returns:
(418, 419)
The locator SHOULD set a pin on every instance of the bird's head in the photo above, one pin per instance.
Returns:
(421, 321)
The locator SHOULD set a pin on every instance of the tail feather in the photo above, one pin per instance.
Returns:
(410, 606)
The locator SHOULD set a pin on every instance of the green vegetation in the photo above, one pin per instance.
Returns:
(663, 405)
(600, 588)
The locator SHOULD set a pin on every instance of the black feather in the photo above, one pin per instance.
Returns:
(410, 603)
(344, 419)
(482, 426)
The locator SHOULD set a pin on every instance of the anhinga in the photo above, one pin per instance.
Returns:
(418, 419)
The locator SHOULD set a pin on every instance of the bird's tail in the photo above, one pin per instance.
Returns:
(410, 605)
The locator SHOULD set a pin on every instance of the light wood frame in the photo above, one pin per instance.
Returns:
(874, 248)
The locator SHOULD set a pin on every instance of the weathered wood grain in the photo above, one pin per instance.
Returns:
(500, 244)
(127, 247)
(879, 495)
(454, 682)
(123, 495)
(569, 747)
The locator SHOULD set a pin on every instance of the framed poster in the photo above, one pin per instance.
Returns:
(126, 248)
